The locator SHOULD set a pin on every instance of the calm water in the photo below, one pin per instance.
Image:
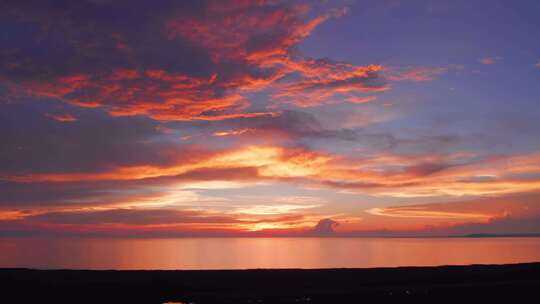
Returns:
(241, 253)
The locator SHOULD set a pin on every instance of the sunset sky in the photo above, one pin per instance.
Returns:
(173, 118)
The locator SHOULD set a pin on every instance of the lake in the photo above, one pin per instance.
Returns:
(244, 253)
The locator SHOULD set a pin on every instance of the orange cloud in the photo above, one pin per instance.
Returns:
(323, 86)
(424, 212)
(365, 99)
(155, 93)
(269, 162)
(230, 36)
(514, 213)
(235, 47)
(230, 31)
(418, 74)
(233, 132)
(156, 222)
(490, 60)
(386, 175)
(63, 117)
(510, 214)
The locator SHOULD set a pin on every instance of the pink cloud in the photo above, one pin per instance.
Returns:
(490, 60)
(419, 73)
(63, 117)
(363, 99)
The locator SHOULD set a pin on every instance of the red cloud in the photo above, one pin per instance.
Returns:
(153, 222)
(156, 93)
(182, 65)
(234, 132)
(328, 80)
(490, 60)
(364, 99)
(63, 117)
(419, 73)
(516, 213)
(398, 176)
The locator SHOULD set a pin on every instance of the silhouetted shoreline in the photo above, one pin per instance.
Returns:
(516, 281)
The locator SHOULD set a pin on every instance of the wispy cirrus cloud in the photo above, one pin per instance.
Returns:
(490, 60)
(346, 80)
(150, 223)
(513, 213)
(419, 74)
(233, 132)
(63, 117)
(394, 176)
(132, 153)
(362, 99)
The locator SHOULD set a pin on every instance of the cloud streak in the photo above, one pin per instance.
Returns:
(187, 61)
(490, 60)
(391, 175)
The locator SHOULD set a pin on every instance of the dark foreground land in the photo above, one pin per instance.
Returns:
(519, 283)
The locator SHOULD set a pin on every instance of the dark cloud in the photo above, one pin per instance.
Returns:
(93, 142)
(500, 226)
(512, 214)
(147, 217)
(130, 217)
(427, 168)
(61, 38)
(306, 128)
(103, 193)
(139, 223)
(324, 227)
(506, 214)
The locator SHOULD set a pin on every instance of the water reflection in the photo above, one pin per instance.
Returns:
(241, 253)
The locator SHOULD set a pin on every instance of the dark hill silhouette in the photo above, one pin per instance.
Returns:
(519, 283)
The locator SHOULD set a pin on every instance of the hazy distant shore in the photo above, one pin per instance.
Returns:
(517, 281)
